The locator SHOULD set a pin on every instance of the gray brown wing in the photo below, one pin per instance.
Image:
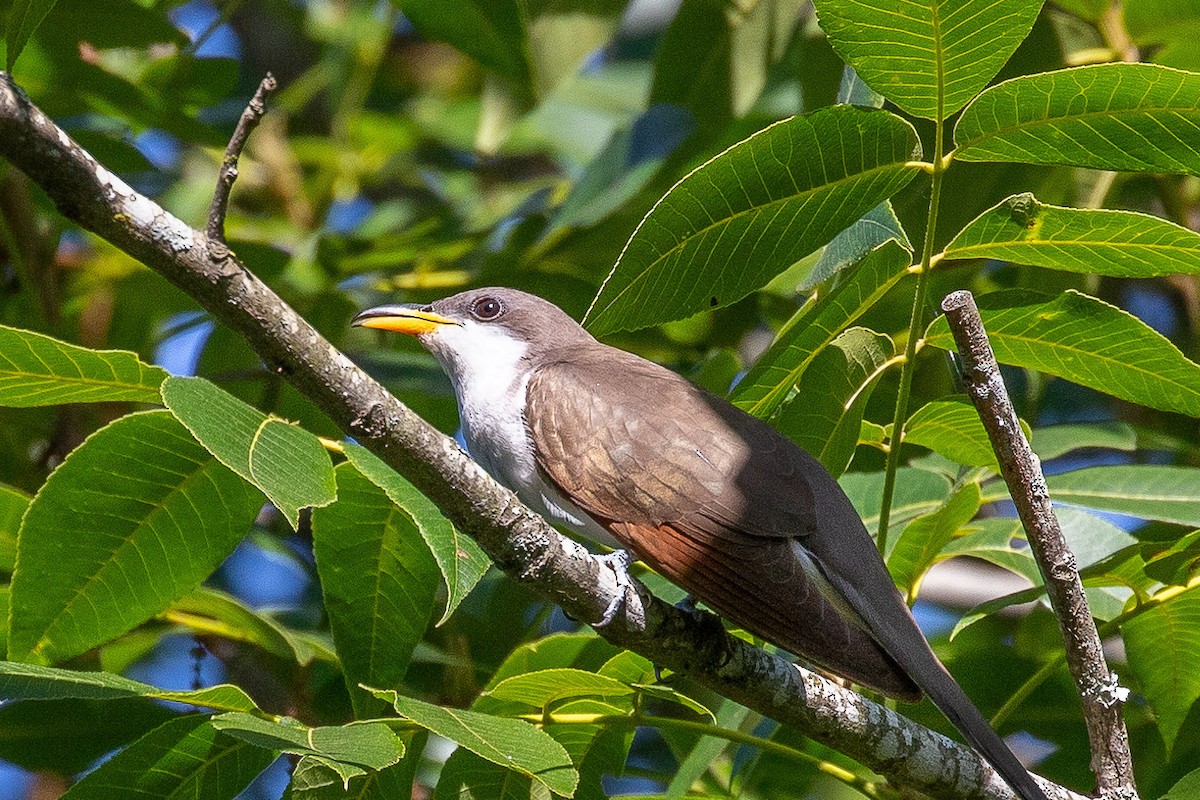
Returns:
(633, 441)
(711, 498)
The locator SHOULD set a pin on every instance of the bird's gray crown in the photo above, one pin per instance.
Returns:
(527, 317)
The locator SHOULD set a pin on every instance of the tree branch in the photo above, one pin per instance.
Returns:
(1102, 696)
(249, 120)
(518, 540)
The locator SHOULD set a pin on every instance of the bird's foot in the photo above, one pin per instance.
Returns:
(618, 561)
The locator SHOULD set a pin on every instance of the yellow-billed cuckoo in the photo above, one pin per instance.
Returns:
(717, 501)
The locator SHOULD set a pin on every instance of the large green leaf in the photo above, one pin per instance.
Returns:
(182, 758)
(1164, 493)
(379, 581)
(460, 560)
(286, 462)
(23, 18)
(135, 518)
(826, 413)
(771, 380)
(927, 56)
(868, 233)
(1092, 241)
(749, 213)
(511, 743)
(1087, 341)
(13, 503)
(1187, 788)
(1163, 644)
(36, 370)
(35, 682)
(1108, 116)
(371, 745)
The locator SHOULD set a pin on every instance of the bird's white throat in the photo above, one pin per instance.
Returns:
(487, 366)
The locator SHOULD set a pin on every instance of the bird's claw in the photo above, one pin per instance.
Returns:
(618, 561)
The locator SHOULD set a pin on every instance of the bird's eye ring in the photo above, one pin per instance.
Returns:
(487, 309)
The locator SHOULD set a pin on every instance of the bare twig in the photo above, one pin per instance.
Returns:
(518, 540)
(229, 164)
(1102, 696)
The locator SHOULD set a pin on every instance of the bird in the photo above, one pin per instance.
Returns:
(609, 444)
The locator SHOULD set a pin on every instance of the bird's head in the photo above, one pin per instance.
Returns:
(481, 330)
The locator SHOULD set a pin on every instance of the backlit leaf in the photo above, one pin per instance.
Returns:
(1086, 341)
(1106, 116)
(379, 581)
(134, 518)
(734, 223)
(371, 745)
(35, 682)
(927, 56)
(286, 462)
(13, 503)
(36, 370)
(1091, 241)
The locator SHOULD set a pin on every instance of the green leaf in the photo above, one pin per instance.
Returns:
(370, 745)
(771, 380)
(543, 688)
(930, 57)
(183, 758)
(511, 743)
(36, 370)
(952, 428)
(1163, 645)
(1187, 788)
(1057, 440)
(134, 518)
(1137, 117)
(13, 503)
(379, 581)
(316, 778)
(460, 560)
(34, 682)
(1152, 22)
(490, 31)
(287, 463)
(1164, 493)
(226, 616)
(922, 540)
(24, 16)
(917, 492)
(747, 214)
(1122, 244)
(1087, 341)
(825, 415)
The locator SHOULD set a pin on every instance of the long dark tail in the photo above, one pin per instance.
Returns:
(951, 700)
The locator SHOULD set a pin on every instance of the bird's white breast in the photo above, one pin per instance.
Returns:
(487, 367)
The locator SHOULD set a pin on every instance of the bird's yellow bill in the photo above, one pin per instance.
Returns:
(402, 319)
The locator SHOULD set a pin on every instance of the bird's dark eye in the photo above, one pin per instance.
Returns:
(487, 309)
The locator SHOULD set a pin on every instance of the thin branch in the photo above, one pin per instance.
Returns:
(1099, 690)
(518, 540)
(229, 164)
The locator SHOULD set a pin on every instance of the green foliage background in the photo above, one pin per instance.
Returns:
(650, 175)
